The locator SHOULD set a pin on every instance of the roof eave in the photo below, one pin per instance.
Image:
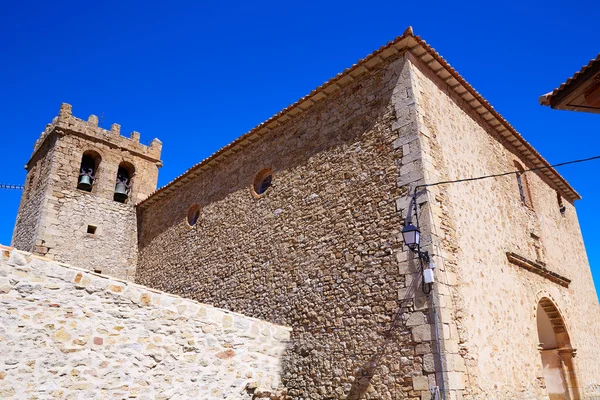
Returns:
(420, 49)
(555, 97)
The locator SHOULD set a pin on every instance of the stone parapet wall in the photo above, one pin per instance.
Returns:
(70, 334)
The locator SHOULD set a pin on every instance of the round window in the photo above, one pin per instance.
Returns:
(262, 182)
(193, 215)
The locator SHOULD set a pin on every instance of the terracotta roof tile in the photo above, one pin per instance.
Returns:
(546, 98)
(420, 49)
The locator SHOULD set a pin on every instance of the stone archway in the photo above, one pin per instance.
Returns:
(556, 352)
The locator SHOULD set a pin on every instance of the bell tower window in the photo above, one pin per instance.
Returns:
(124, 183)
(90, 161)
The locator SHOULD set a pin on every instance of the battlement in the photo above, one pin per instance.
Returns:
(65, 123)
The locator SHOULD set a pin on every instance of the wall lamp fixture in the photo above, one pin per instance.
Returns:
(412, 239)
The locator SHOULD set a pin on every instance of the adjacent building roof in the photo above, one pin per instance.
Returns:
(581, 92)
(419, 49)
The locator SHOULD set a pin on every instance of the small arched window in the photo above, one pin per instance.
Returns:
(262, 182)
(561, 204)
(124, 182)
(193, 215)
(523, 185)
(90, 161)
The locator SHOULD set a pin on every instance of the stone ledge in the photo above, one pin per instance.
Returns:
(143, 296)
(537, 268)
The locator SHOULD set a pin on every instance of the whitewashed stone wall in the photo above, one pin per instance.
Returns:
(71, 334)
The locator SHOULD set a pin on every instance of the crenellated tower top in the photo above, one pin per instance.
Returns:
(80, 192)
(66, 123)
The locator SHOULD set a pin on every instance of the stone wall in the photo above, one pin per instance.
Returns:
(111, 250)
(79, 227)
(320, 251)
(67, 123)
(326, 238)
(34, 196)
(488, 303)
(68, 333)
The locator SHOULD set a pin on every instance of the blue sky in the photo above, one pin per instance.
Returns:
(199, 75)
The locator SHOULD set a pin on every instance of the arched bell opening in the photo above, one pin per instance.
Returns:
(124, 183)
(556, 352)
(88, 170)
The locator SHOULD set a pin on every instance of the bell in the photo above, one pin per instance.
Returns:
(121, 192)
(85, 183)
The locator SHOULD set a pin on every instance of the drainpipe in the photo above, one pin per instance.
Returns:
(439, 347)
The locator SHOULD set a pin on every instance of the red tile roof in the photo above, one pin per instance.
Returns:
(546, 98)
(420, 49)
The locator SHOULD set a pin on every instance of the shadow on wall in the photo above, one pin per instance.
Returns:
(283, 148)
(317, 252)
(397, 331)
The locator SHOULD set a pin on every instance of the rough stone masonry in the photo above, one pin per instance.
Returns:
(58, 220)
(321, 249)
(318, 251)
(67, 333)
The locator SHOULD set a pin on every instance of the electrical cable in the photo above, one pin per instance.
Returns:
(414, 208)
(507, 173)
(9, 186)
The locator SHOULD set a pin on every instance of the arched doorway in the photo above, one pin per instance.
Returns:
(556, 353)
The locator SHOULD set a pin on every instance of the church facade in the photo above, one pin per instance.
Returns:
(299, 222)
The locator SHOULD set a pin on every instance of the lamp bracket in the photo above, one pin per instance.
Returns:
(423, 255)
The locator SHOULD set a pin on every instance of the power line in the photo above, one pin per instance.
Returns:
(9, 186)
(413, 208)
(508, 173)
(413, 203)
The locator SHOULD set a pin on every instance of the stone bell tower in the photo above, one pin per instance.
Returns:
(82, 184)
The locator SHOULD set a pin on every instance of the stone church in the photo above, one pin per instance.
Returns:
(304, 221)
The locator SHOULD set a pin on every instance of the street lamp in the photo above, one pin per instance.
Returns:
(411, 236)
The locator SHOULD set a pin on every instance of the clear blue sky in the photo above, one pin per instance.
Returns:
(199, 74)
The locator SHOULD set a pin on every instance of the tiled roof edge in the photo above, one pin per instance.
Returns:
(407, 42)
(547, 98)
